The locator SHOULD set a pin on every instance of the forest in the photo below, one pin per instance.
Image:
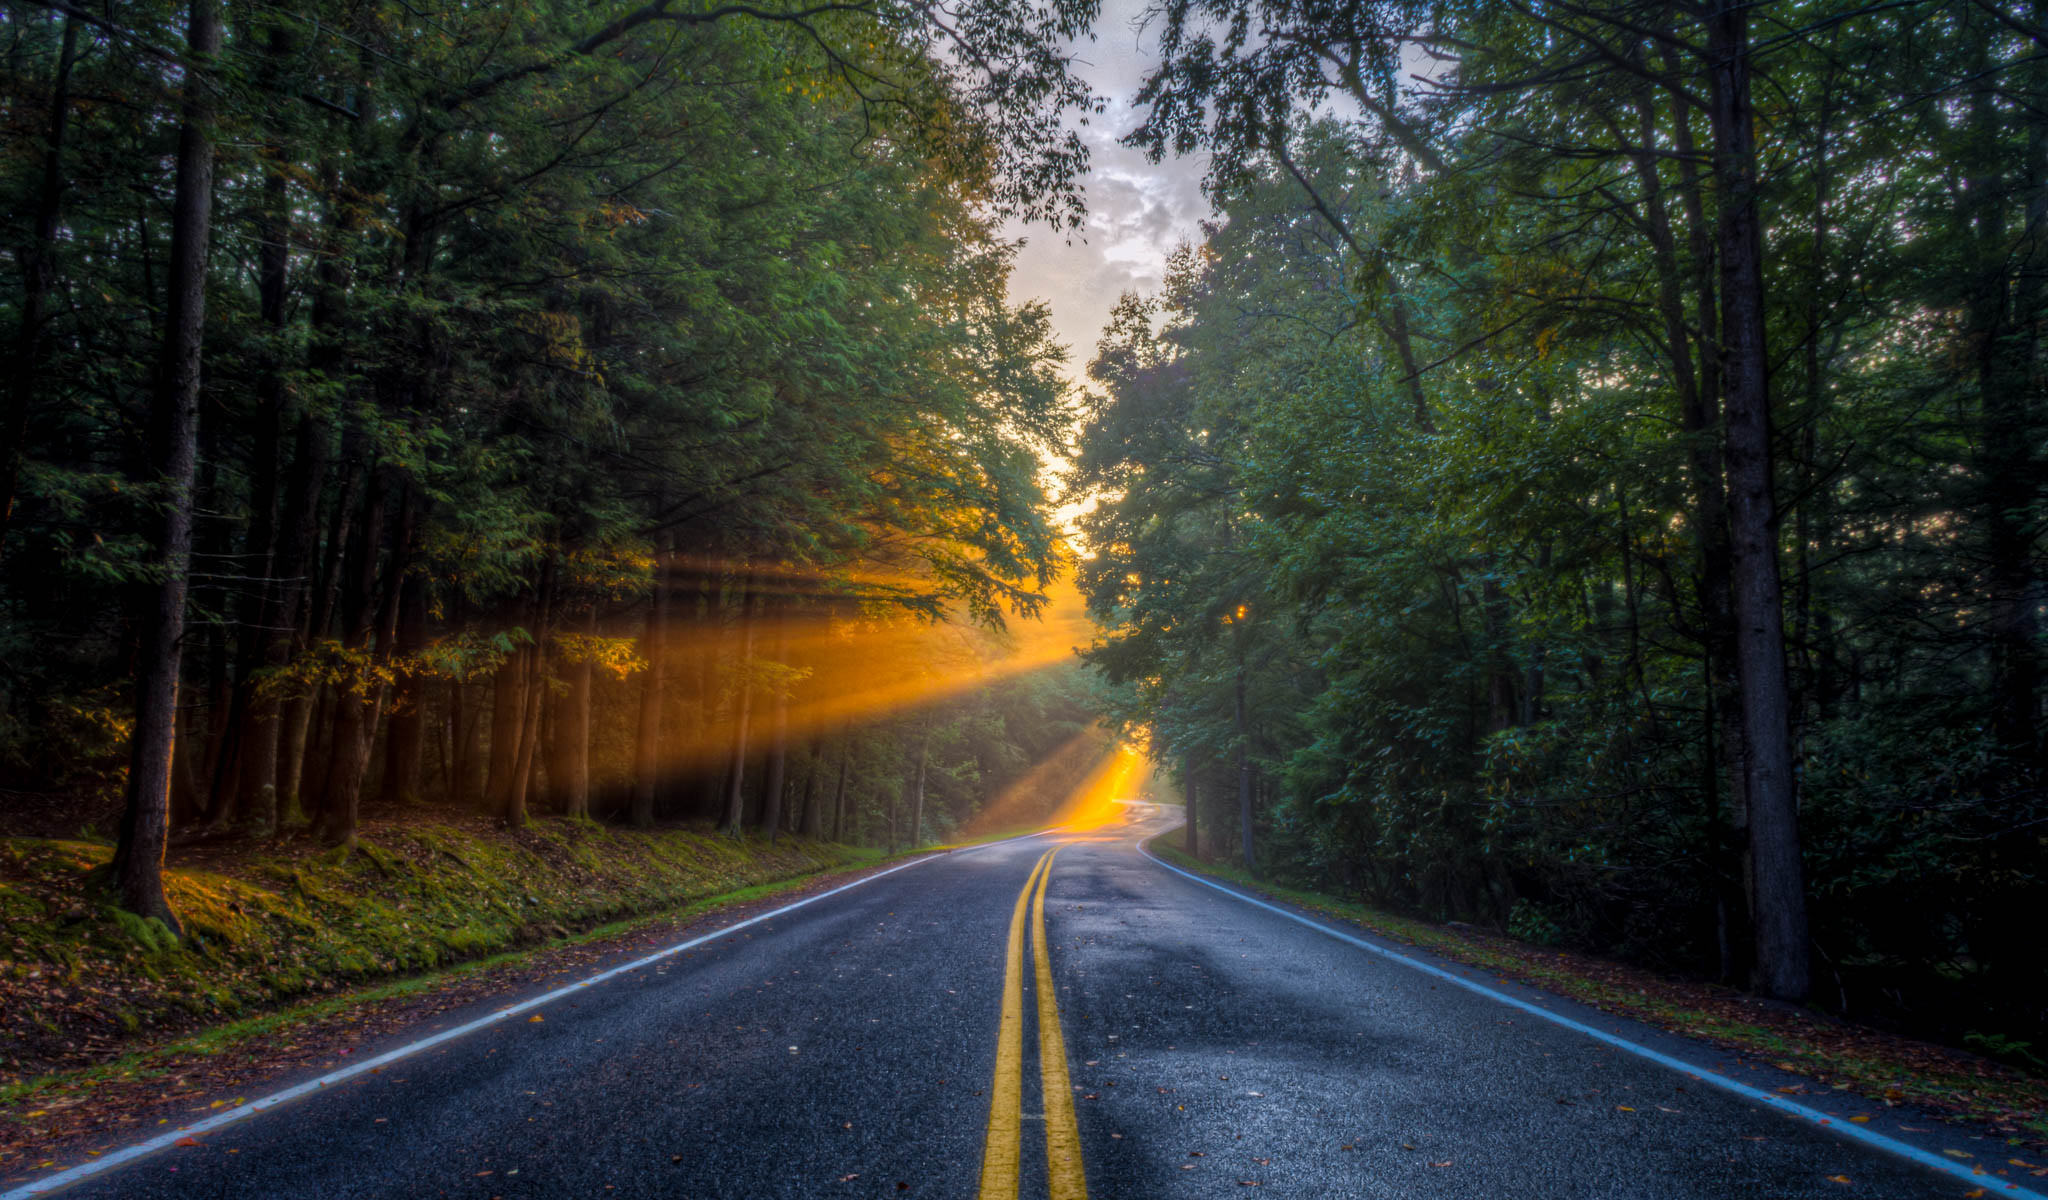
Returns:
(1588, 480)
(511, 410)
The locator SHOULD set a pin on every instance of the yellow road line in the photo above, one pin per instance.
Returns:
(1003, 1154)
(1065, 1178)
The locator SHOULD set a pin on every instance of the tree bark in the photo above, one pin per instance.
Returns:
(1193, 789)
(1244, 774)
(743, 704)
(839, 789)
(812, 825)
(924, 745)
(174, 419)
(406, 741)
(778, 748)
(1778, 885)
(575, 732)
(653, 647)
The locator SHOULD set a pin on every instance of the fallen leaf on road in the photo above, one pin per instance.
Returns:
(849, 1178)
(1623, 1108)
(1444, 1163)
(186, 1141)
(534, 1019)
(1959, 1154)
(1863, 1120)
(1838, 1179)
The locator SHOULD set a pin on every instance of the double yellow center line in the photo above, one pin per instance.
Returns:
(1003, 1156)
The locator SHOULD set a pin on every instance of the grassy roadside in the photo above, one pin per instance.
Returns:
(1883, 1068)
(82, 983)
(176, 1056)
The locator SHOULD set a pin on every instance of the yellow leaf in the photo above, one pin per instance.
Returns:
(1838, 1179)
(534, 1019)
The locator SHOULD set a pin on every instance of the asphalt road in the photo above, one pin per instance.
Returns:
(849, 1049)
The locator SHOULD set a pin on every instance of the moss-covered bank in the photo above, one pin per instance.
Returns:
(80, 979)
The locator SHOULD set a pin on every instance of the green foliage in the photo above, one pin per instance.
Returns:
(1412, 489)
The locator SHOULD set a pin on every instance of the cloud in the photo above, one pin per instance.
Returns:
(1138, 211)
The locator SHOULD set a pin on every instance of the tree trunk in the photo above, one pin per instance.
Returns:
(839, 789)
(369, 623)
(778, 747)
(1778, 887)
(468, 789)
(736, 788)
(508, 713)
(812, 825)
(924, 743)
(575, 733)
(653, 647)
(1193, 798)
(527, 733)
(1244, 775)
(174, 433)
(406, 744)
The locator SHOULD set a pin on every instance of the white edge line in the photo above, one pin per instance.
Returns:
(128, 1154)
(1960, 1170)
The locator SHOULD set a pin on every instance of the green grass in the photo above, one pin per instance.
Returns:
(267, 926)
(218, 1039)
(1878, 1067)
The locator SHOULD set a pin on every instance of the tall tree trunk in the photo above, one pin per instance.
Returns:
(1244, 773)
(1778, 885)
(527, 732)
(812, 825)
(174, 435)
(924, 746)
(2004, 315)
(406, 744)
(743, 704)
(654, 648)
(508, 716)
(839, 789)
(778, 743)
(252, 718)
(1193, 797)
(369, 624)
(575, 732)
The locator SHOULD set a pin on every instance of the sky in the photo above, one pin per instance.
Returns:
(1138, 211)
